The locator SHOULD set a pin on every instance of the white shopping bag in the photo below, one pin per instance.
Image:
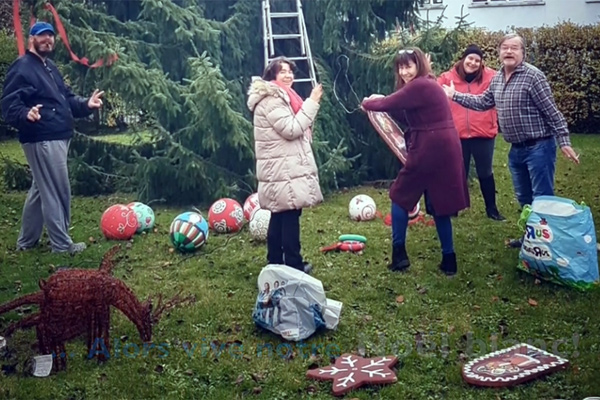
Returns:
(293, 304)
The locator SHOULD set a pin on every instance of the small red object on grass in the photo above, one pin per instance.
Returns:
(351, 372)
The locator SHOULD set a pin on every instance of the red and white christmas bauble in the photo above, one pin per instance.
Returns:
(119, 222)
(251, 205)
(225, 216)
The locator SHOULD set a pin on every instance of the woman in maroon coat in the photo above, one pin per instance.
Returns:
(434, 164)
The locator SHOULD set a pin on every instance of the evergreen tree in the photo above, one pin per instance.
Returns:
(187, 64)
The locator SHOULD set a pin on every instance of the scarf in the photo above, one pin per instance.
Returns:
(295, 101)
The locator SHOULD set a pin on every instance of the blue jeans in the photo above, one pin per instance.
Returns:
(532, 169)
(443, 226)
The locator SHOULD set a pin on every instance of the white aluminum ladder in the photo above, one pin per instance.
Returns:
(269, 38)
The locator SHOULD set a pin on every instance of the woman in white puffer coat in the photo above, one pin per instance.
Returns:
(288, 178)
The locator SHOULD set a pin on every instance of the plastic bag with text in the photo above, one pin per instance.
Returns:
(293, 304)
(559, 244)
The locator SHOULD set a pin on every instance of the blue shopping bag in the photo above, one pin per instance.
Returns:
(559, 244)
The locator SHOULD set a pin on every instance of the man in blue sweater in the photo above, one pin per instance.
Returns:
(37, 102)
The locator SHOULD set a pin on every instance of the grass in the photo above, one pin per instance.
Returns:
(453, 320)
(12, 150)
(126, 139)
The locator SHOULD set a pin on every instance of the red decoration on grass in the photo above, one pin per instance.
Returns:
(225, 216)
(77, 302)
(512, 366)
(119, 222)
(351, 372)
(351, 246)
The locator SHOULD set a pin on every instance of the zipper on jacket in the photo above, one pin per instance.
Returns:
(49, 71)
(468, 126)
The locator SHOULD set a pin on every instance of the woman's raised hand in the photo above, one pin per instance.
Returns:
(316, 93)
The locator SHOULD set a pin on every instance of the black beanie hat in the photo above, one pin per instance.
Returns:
(472, 49)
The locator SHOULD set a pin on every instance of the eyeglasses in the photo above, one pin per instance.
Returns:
(407, 51)
(511, 48)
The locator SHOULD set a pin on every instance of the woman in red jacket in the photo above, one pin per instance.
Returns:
(477, 129)
(434, 161)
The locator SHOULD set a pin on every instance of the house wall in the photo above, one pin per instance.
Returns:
(502, 15)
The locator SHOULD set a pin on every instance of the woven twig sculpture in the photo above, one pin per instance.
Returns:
(74, 302)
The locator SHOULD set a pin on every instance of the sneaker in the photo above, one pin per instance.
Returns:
(23, 248)
(77, 247)
(74, 248)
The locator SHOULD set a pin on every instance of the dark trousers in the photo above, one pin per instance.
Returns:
(283, 239)
(482, 151)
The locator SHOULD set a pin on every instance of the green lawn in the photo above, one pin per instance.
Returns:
(121, 138)
(12, 150)
(486, 304)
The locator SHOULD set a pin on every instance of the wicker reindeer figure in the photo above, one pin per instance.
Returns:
(74, 302)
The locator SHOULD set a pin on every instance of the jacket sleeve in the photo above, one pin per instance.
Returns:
(78, 104)
(443, 79)
(15, 95)
(409, 97)
(291, 126)
(541, 93)
(481, 102)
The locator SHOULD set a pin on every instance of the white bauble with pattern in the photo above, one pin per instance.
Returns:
(259, 224)
(362, 208)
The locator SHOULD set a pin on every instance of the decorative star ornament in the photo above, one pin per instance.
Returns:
(351, 372)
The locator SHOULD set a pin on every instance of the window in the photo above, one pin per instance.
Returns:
(504, 1)
(479, 3)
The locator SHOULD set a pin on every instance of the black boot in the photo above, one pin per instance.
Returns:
(400, 261)
(448, 265)
(488, 190)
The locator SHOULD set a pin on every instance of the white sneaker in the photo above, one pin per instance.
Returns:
(74, 248)
(77, 247)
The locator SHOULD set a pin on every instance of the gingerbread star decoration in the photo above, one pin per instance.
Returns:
(351, 372)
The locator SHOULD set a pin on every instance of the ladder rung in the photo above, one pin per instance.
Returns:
(287, 36)
(284, 14)
(292, 58)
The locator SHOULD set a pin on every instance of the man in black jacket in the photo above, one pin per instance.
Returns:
(38, 103)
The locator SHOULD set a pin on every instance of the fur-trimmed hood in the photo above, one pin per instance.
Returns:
(261, 89)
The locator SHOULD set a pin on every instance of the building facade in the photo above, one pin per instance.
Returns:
(501, 15)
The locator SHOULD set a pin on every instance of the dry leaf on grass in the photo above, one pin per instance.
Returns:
(532, 302)
(400, 299)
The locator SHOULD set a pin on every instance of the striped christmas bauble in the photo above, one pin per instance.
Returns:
(188, 231)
